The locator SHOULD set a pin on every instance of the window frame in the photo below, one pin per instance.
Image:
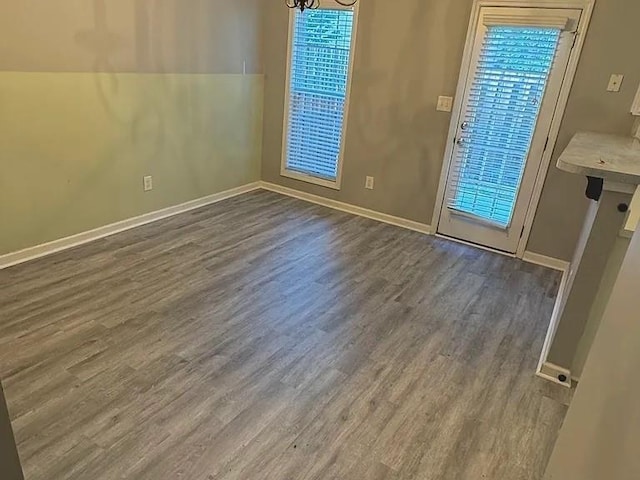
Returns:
(284, 171)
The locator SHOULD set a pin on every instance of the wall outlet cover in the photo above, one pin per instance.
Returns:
(147, 183)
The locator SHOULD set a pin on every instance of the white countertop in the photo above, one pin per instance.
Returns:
(611, 157)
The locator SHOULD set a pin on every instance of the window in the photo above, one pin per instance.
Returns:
(502, 112)
(321, 51)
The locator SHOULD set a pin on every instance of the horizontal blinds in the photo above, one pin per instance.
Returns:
(551, 21)
(320, 57)
(503, 104)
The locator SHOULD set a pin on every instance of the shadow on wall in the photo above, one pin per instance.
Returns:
(92, 136)
(148, 132)
(103, 44)
(393, 125)
(147, 121)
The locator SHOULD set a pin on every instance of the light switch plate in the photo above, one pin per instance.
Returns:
(369, 183)
(615, 82)
(445, 104)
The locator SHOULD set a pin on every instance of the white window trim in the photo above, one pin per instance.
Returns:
(336, 185)
(587, 10)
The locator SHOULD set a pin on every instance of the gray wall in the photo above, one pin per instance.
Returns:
(607, 50)
(407, 55)
(161, 36)
(602, 226)
(599, 305)
(599, 437)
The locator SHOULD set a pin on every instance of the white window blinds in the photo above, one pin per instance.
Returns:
(319, 76)
(500, 118)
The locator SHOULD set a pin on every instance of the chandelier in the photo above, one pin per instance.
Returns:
(304, 4)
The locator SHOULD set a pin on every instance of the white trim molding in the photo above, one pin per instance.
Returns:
(543, 260)
(348, 208)
(546, 369)
(529, 257)
(587, 10)
(553, 373)
(55, 246)
(61, 244)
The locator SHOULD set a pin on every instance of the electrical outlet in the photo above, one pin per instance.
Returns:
(369, 183)
(615, 82)
(148, 183)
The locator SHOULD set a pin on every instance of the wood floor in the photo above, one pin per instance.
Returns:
(266, 338)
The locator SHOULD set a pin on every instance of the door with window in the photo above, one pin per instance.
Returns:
(513, 82)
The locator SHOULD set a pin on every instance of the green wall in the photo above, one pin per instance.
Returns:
(75, 147)
(96, 94)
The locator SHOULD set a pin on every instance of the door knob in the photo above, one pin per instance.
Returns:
(464, 125)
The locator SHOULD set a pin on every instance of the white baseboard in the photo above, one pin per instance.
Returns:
(543, 369)
(550, 262)
(530, 257)
(348, 208)
(49, 248)
(550, 371)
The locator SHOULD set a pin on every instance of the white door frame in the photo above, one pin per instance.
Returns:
(587, 10)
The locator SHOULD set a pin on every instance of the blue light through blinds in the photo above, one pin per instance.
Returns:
(502, 111)
(318, 87)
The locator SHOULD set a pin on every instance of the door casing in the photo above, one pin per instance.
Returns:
(587, 10)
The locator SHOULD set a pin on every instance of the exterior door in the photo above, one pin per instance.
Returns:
(514, 78)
